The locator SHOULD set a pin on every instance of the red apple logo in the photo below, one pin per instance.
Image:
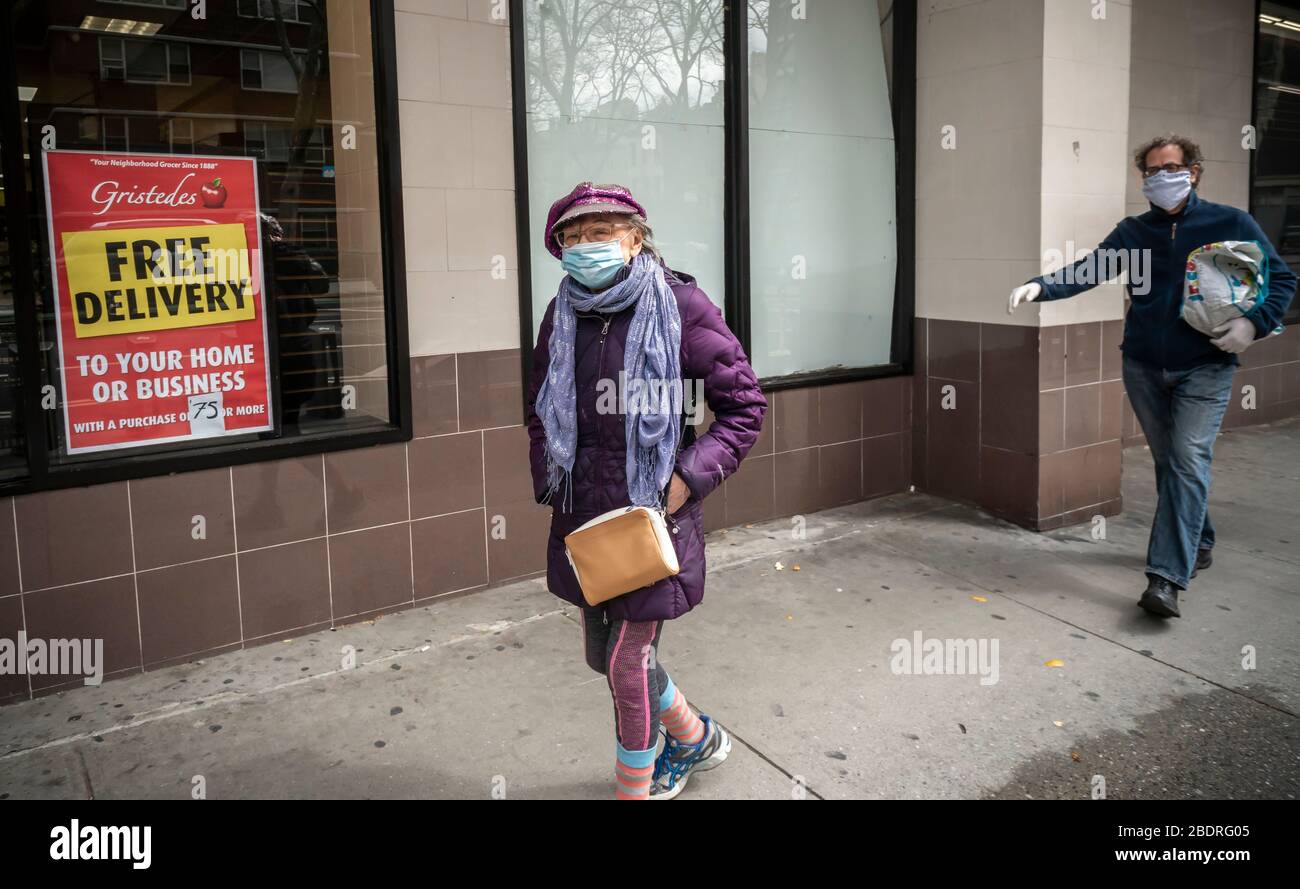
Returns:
(213, 194)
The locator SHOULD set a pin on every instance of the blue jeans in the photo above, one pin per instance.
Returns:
(1180, 412)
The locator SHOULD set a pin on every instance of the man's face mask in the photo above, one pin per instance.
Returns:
(1167, 189)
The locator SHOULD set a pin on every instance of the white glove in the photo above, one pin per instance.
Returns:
(1025, 293)
(1238, 335)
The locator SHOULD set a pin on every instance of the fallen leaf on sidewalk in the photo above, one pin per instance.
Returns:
(794, 568)
(1058, 723)
(1054, 662)
(979, 598)
(1075, 756)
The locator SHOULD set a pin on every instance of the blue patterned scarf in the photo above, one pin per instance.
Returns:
(652, 377)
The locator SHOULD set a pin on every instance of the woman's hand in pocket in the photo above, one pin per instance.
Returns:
(678, 493)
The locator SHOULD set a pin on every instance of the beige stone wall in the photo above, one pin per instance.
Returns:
(453, 80)
(979, 71)
(1086, 62)
(1192, 71)
(1049, 97)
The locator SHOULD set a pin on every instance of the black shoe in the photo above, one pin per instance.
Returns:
(1204, 559)
(1160, 598)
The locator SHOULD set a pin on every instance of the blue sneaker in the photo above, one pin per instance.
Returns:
(676, 762)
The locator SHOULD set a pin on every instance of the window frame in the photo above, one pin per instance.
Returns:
(160, 4)
(122, 465)
(239, 12)
(166, 45)
(736, 270)
(261, 73)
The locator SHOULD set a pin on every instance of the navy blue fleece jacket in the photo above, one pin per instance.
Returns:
(1154, 330)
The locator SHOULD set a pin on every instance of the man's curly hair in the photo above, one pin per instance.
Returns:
(1191, 151)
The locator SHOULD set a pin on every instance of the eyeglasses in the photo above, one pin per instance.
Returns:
(593, 233)
(1167, 168)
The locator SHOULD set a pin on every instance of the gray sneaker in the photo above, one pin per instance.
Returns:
(676, 762)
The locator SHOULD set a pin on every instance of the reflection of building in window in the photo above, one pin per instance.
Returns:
(290, 10)
(164, 4)
(181, 135)
(267, 71)
(144, 61)
(274, 142)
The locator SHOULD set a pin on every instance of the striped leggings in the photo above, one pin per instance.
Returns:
(626, 653)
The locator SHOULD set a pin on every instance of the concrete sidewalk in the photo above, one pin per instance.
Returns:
(490, 691)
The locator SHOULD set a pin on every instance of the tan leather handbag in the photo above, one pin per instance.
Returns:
(626, 548)
(620, 551)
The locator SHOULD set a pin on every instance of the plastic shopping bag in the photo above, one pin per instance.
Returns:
(1224, 280)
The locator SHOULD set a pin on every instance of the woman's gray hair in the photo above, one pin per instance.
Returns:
(647, 236)
(648, 244)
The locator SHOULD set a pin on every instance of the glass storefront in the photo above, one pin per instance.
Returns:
(636, 93)
(629, 92)
(823, 242)
(157, 137)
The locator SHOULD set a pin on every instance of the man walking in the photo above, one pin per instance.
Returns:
(1178, 380)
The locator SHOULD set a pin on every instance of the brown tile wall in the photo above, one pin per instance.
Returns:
(1272, 367)
(1271, 370)
(1023, 421)
(297, 545)
(820, 447)
(285, 547)
(1030, 423)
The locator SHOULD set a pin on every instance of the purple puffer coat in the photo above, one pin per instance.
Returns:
(711, 353)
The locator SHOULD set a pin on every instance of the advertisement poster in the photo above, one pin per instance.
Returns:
(157, 269)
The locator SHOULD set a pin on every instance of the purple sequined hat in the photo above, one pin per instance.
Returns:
(584, 199)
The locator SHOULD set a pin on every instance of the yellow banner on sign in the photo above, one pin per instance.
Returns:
(140, 279)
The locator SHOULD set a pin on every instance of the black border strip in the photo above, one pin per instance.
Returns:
(519, 122)
(736, 298)
(904, 106)
(127, 466)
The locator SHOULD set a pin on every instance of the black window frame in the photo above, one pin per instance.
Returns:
(23, 228)
(736, 269)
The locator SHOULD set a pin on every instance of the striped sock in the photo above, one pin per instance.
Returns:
(633, 769)
(677, 717)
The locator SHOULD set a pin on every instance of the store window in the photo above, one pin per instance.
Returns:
(201, 211)
(628, 92)
(785, 209)
(823, 249)
(1275, 188)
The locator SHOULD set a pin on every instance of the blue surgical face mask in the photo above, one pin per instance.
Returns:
(594, 265)
(1167, 190)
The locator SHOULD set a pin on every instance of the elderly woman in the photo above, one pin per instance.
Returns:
(623, 318)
